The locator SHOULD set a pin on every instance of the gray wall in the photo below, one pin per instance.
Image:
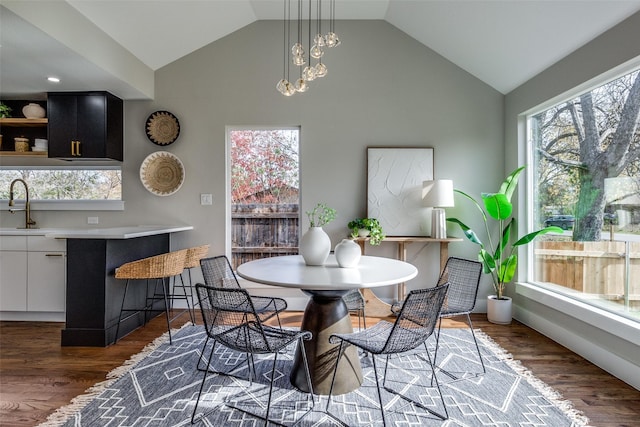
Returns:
(383, 88)
(613, 345)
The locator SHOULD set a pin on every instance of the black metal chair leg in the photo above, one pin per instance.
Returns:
(204, 378)
(126, 286)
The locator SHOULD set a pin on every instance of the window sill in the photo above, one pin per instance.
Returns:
(69, 205)
(619, 326)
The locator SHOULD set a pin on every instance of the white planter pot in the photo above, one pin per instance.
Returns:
(363, 232)
(315, 246)
(499, 310)
(348, 253)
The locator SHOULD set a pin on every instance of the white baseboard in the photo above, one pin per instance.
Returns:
(600, 356)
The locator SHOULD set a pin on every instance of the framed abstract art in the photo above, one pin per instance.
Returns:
(394, 188)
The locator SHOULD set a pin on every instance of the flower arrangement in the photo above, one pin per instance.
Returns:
(372, 225)
(321, 215)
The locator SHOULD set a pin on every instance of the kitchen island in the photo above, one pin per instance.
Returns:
(93, 294)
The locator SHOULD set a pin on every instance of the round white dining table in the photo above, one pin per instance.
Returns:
(326, 313)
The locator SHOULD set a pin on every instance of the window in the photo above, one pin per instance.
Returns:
(264, 192)
(66, 184)
(586, 179)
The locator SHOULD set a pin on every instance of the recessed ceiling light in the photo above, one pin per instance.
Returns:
(53, 79)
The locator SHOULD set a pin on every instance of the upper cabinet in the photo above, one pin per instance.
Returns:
(85, 125)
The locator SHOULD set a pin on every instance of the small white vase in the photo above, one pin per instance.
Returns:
(499, 310)
(348, 253)
(315, 246)
(33, 111)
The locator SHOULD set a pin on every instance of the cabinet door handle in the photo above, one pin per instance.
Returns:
(75, 149)
(56, 255)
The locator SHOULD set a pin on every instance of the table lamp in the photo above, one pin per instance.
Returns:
(438, 194)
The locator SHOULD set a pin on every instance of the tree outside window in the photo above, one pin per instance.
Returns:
(586, 153)
(264, 189)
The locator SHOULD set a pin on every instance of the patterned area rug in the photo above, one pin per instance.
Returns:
(158, 387)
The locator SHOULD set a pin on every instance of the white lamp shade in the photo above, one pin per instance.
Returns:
(437, 194)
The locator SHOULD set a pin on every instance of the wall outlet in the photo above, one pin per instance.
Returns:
(93, 220)
(206, 199)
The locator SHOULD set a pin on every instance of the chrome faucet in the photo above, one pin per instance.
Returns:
(29, 223)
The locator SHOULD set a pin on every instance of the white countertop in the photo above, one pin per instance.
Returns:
(129, 232)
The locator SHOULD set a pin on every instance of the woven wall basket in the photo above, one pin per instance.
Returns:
(162, 173)
(162, 128)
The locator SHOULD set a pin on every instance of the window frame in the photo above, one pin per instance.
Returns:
(616, 324)
(228, 168)
(68, 205)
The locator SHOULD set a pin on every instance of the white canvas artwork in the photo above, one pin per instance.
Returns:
(394, 189)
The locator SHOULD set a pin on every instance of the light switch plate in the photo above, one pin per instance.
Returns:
(206, 199)
(93, 220)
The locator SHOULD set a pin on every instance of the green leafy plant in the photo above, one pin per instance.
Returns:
(498, 256)
(5, 110)
(376, 235)
(321, 215)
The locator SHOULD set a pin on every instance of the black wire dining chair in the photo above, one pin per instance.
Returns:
(415, 323)
(463, 276)
(355, 304)
(217, 272)
(230, 319)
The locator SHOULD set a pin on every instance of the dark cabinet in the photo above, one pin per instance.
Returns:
(85, 125)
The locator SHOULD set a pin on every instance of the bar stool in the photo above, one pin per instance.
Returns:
(192, 260)
(162, 268)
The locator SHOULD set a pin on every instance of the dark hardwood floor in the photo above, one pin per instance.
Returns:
(37, 375)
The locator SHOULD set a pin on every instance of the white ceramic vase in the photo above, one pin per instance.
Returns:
(499, 310)
(33, 111)
(315, 246)
(348, 253)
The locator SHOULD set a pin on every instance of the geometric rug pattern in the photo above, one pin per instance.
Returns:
(159, 386)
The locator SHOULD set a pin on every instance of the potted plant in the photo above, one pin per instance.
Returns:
(371, 228)
(5, 110)
(315, 244)
(498, 256)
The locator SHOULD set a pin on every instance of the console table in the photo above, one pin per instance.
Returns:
(374, 305)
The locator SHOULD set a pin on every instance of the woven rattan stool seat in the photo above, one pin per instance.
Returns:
(160, 268)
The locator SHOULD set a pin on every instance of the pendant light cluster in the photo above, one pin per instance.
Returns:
(301, 59)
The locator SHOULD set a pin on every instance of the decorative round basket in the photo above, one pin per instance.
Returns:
(162, 173)
(162, 128)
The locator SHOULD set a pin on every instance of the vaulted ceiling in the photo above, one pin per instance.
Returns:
(501, 42)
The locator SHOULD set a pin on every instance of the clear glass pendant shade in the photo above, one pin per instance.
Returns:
(301, 85)
(331, 39)
(321, 70)
(285, 87)
(298, 60)
(316, 51)
(297, 49)
(319, 40)
(309, 73)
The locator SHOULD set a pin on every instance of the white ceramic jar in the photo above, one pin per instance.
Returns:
(33, 111)
(348, 253)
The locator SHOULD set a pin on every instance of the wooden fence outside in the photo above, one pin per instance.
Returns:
(596, 268)
(263, 230)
